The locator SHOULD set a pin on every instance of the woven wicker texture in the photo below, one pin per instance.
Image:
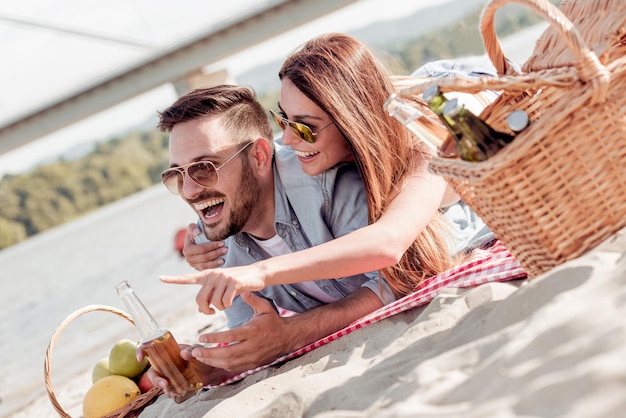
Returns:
(130, 410)
(559, 189)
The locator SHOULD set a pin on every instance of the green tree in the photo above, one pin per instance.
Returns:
(46, 208)
(11, 206)
(11, 232)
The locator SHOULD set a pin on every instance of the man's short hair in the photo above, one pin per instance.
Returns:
(237, 106)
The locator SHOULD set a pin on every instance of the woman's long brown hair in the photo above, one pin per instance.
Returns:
(343, 77)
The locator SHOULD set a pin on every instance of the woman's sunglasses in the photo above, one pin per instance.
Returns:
(203, 173)
(303, 131)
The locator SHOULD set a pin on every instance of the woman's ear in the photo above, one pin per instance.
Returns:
(262, 155)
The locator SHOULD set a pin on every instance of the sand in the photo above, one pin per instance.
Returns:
(554, 346)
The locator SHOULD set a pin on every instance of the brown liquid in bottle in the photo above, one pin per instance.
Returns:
(163, 353)
(161, 348)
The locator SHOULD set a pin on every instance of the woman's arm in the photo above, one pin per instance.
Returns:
(370, 248)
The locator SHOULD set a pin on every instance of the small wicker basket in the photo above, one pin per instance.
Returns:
(130, 410)
(560, 188)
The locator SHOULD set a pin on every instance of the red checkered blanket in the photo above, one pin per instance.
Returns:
(494, 264)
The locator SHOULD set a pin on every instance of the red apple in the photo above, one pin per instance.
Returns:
(144, 383)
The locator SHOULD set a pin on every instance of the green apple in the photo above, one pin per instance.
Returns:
(123, 359)
(100, 370)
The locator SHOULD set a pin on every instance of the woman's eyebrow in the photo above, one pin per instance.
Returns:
(300, 117)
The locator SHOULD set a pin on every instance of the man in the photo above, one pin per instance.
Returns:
(223, 164)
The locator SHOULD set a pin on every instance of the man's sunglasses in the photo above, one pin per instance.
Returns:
(303, 131)
(203, 173)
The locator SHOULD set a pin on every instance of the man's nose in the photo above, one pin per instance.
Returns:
(190, 188)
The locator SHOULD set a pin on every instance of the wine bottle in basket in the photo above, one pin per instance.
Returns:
(422, 126)
(517, 121)
(478, 141)
(160, 347)
(435, 99)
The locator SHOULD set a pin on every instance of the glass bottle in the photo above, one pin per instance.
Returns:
(160, 347)
(435, 99)
(517, 121)
(478, 141)
(423, 127)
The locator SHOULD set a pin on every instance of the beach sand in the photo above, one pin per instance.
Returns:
(554, 346)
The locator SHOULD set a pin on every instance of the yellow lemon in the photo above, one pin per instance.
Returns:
(107, 395)
(123, 359)
(100, 370)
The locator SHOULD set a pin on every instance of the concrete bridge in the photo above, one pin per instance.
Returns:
(181, 65)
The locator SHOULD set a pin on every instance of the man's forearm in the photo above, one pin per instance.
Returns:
(312, 325)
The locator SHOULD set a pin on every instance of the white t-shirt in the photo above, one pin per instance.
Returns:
(276, 246)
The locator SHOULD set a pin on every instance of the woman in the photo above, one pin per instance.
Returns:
(331, 110)
(335, 78)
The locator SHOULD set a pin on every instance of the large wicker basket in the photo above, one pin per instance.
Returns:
(130, 410)
(560, 188)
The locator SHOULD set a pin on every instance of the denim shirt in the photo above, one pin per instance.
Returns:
(475, 66)
(309, 210)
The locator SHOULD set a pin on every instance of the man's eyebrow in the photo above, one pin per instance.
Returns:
(206, 157)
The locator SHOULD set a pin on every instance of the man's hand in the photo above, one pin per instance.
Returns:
(202, 256)
(208, 374)
(257, 342)
(267, 336)
(220, 286)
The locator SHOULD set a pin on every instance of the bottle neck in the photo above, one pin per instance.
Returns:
(419, 124)
(145, 323)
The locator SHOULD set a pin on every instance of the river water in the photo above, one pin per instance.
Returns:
(48, 277)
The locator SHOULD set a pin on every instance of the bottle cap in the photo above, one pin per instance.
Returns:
(430, 92)
(517, 120)
(451, 107)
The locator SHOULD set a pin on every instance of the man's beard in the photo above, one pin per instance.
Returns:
(241, 209)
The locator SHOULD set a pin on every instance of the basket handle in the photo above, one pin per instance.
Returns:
(55, 337)
(589, 69)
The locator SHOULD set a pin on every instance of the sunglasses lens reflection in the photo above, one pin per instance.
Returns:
(202, 173)
(303, 131)
(279, 121)
(173, 180)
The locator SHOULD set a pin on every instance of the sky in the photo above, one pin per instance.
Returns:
(40, 65)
